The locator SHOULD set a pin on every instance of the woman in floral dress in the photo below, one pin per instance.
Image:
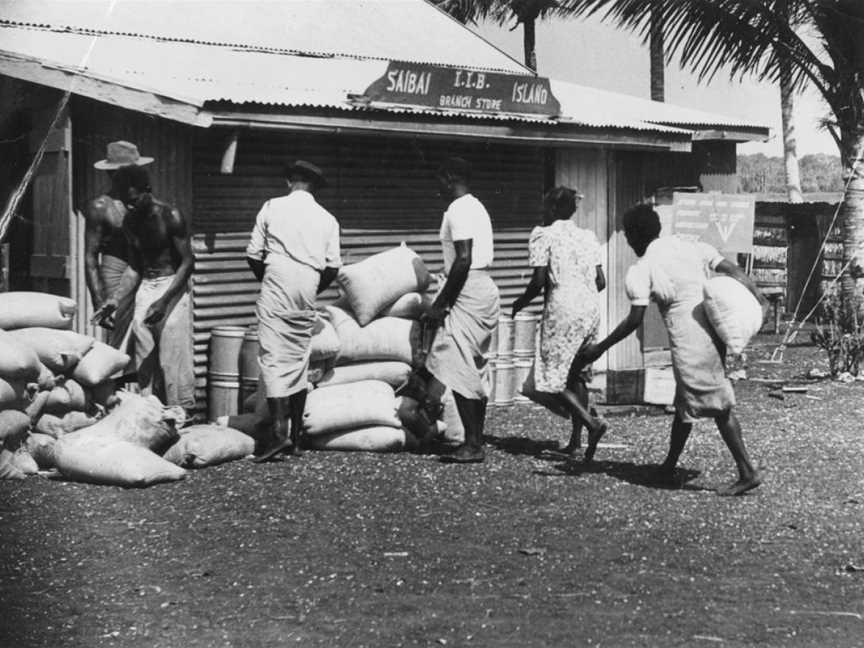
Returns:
(566, 263)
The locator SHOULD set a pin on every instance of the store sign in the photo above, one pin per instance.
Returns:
(416, 84)
(723, 220)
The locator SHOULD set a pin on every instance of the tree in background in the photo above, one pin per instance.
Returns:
(524, 12)
(787, 111)
(756, 37)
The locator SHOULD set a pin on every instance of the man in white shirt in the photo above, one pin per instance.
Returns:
(294, 252)
(466, 309)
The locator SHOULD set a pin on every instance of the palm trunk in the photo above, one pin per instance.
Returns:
(852, 219)
(656, 53)
(529, 41)
(790, 153)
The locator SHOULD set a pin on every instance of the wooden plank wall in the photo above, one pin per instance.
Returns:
(586, 170)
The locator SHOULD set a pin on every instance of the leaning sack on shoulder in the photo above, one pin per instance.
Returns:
(376, 282)
(733, 311)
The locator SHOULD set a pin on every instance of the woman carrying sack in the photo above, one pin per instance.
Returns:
(567, 268)
(673, 272)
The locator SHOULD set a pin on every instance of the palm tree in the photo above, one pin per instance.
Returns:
(525, 12)
(756, 37)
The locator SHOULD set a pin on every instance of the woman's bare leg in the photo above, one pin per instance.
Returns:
(748, 476)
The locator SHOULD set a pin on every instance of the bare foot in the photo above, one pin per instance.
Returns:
(594, 437)
(741, 486)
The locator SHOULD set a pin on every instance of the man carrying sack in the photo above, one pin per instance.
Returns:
(465, 312)
(157, 279)
(294, 252)
(106, 252)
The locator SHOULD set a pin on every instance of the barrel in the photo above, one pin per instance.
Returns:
(223, 374)
(504, 382)
(521, 369)
(249, 368)
(505, 336)
(524, 334)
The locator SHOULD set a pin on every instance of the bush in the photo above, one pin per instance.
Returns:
(840, 333)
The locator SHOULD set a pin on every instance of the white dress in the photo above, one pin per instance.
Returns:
(571, 311)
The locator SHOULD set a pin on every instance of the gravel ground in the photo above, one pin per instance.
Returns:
(525, 550)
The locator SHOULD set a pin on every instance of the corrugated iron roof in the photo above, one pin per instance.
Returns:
(197, 74)
(604, 108)
(408, 30)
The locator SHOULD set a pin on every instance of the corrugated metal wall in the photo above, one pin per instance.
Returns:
(382, 191)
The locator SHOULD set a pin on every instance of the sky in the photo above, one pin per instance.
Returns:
(589, 52)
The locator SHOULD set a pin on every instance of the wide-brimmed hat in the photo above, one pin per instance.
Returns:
(312, 171)
(120, 154)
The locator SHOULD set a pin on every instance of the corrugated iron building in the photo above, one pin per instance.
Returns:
(183, 79)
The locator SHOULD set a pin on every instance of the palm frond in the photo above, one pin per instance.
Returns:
(710, 36)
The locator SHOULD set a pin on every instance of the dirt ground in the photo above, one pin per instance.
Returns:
(525, 550)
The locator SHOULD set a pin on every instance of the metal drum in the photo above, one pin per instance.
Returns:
(524, 334)
(521, 369)
(505, 336)
(505, 385)
(223, 374)
(249, 369)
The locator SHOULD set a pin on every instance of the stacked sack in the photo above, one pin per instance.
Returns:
(39, 388)
(363, 349)
(56, 386)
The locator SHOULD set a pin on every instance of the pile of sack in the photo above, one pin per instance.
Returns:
(59, 409)
(363, 349)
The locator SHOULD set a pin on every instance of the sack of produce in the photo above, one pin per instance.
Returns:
(369, 439)
(34, 404)
(111, 461)
(99, 364)
(17, 361)
(25, 309)
(13, 424)
(8, 469)
(325, 341)
(60, 351)
(351, 406)
(13, 394)
(140, 420)
(23, 460)
(387, 338)
(46, 379)
(733, 311)
(208, 445)
(68, 397)
(379, 280)
(41, 448)
(57, 426)
(392, 372)
(409, 306)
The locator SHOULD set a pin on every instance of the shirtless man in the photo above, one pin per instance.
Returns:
(104, 237)
(160, 265)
